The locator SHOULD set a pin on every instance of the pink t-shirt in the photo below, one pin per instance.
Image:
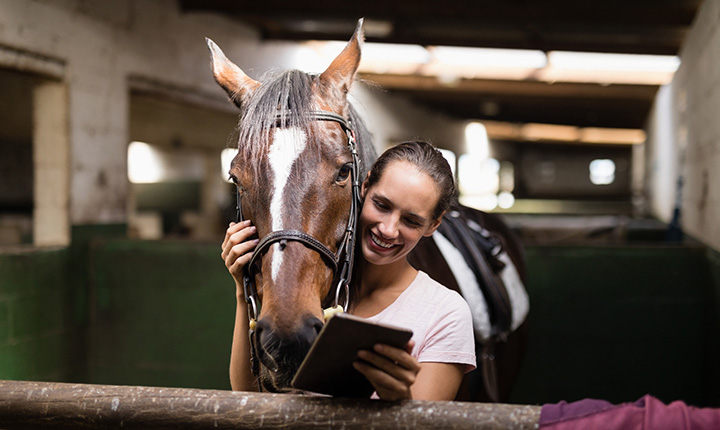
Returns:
(439, 318)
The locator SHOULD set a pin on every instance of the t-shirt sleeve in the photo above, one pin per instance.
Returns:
(450, 336)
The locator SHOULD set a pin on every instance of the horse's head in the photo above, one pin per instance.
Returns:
(293, 173)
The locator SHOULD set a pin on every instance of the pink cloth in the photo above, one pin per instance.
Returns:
(439, 318)
(648, 413)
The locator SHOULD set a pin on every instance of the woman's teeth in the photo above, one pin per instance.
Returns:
(379, 242)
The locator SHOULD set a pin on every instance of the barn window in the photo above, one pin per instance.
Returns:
(602, 171)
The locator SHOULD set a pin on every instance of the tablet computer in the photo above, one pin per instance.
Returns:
(328, 369)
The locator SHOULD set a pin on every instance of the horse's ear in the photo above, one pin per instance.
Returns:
(341, 72)
(231, 78)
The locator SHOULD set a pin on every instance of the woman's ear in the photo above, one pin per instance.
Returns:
(434, 224)
(363, 187)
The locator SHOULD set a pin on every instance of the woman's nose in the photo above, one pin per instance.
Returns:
(389, 227)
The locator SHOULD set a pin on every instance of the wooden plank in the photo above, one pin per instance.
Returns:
(25, 405)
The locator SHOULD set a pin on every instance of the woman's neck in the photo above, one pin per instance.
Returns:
(379, 286)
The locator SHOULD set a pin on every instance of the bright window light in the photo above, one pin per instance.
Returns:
(476, 140)
(489, 57)
(506, 200)
(226, 157)
(395, 52)
(606, 61)
(144, 163)
(393, 58)
(478, 176)
(609, 68)
(151, 164)
(486, 202)
(450, 63)
(376, 57)
(602, 172)
(310, 60)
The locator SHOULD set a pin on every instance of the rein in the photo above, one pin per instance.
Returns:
(340, 262)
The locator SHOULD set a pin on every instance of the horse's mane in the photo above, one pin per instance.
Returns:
(366, 147)
(289, 94)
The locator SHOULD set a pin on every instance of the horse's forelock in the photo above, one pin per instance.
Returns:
(288, 94)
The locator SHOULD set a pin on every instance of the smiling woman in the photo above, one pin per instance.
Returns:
(406, 194)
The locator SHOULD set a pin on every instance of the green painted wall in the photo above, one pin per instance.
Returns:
(616, 323)
(162, 314)
(606, 322)
(41, 335)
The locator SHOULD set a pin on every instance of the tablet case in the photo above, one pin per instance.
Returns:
(328, 369)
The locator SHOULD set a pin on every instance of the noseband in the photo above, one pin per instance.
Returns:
(340, 262)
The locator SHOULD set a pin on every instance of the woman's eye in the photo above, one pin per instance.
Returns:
(413, 223)
(344, 173)
(380, 205)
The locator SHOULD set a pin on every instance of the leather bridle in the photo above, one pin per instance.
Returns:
(340, 262)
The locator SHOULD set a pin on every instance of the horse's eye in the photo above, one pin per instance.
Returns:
(344, 173)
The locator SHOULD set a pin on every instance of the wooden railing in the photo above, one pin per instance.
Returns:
(32, 405)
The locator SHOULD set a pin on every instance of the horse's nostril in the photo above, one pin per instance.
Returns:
(281, 352)
(264, 345)
(317, 325)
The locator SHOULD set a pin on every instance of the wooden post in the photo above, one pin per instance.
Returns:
(29, 405)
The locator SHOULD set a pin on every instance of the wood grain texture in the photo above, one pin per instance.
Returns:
(25, 405)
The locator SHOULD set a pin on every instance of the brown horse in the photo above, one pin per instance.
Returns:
(302, 152)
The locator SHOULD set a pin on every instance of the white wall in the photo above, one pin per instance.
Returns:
(394, 119)
(661, 156)
(98, 46)
(686, 140)
(100, 50)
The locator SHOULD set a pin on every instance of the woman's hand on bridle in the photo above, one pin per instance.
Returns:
(392, 371)
(237, 249)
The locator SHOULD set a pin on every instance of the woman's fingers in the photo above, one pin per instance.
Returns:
(235, 234)
(239, 255)
(392, 371)
(391, 359)
(387, 387)
(237, 246)
(232, 229)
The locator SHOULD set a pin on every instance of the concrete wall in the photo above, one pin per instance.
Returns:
(104, 51)
(684, 134)
(395, 119)
(97, 47)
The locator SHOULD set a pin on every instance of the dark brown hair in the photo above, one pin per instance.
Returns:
(427, 159)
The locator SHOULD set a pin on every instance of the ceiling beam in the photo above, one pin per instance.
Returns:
(470, 87)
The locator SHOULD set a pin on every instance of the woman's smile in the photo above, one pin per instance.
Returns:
(376, 240)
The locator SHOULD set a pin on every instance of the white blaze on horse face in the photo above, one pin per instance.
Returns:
(288, 144)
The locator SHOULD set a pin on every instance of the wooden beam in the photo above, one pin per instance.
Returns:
(528, 88)
(29, 405)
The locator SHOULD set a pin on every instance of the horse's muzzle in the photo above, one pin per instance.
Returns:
(281, 353)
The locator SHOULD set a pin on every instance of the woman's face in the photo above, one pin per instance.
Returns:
(397, 213)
